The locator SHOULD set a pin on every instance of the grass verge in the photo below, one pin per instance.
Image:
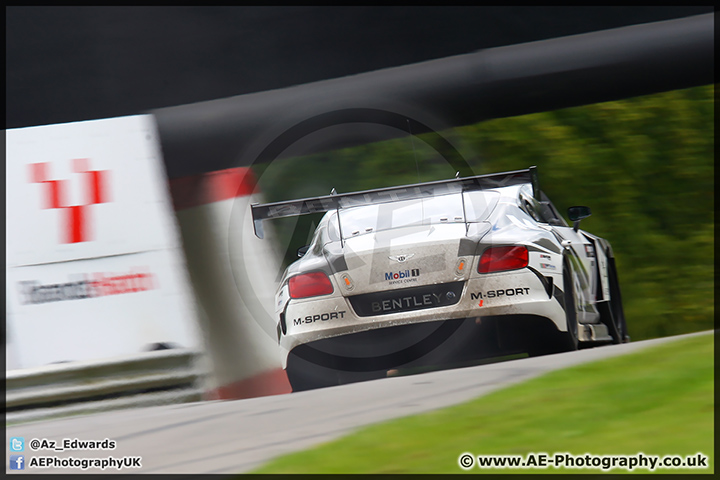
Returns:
(658, 401)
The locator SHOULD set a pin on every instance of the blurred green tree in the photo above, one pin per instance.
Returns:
(644, 165)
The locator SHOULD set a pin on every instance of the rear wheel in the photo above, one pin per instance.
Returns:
(548, 342)
(570, 338)
(305, 375)
(619, 333)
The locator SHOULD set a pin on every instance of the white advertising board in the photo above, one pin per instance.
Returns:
(94, 262)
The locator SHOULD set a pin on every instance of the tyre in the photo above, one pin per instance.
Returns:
(569, 339)
(548, 342)
(309, 369)
(619, 333)
(304, 375)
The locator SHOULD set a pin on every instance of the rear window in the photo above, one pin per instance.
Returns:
(365, 219)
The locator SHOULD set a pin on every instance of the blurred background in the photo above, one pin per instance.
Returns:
(645, 166)
(644, 163)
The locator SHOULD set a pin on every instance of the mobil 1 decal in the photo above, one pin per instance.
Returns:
(402, 276)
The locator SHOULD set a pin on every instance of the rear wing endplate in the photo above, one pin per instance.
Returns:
(292, 208)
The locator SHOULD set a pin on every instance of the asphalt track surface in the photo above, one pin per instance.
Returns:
(237, 436)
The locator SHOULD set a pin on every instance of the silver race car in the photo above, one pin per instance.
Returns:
(440, 273)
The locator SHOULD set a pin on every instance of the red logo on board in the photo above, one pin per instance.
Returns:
(76, 221)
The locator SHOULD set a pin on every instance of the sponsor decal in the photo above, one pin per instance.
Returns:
(589, 251)
(403, 276)
(85, 286)
(401, 258)
(506, 292)
(547, 266)
(322, 317)
(281, 297)
(415, 272)
(545, 257)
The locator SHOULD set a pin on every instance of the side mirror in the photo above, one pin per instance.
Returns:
(302, 250)
(575, 214)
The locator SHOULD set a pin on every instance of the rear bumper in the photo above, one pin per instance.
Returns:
(517, 294)
(375, 353)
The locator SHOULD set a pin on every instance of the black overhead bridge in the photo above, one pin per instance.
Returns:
(232, 86)
(458, 90)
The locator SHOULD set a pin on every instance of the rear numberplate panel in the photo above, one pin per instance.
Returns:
(407, 299)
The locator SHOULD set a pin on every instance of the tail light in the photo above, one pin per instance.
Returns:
(310, 285)
(500, 259)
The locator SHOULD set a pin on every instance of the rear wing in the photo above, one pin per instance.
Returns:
(336, 201)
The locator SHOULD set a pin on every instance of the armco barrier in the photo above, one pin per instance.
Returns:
(149, 378)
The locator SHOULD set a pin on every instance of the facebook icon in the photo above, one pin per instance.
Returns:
(17, 462)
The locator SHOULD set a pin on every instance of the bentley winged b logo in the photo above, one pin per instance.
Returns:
(401, 258)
